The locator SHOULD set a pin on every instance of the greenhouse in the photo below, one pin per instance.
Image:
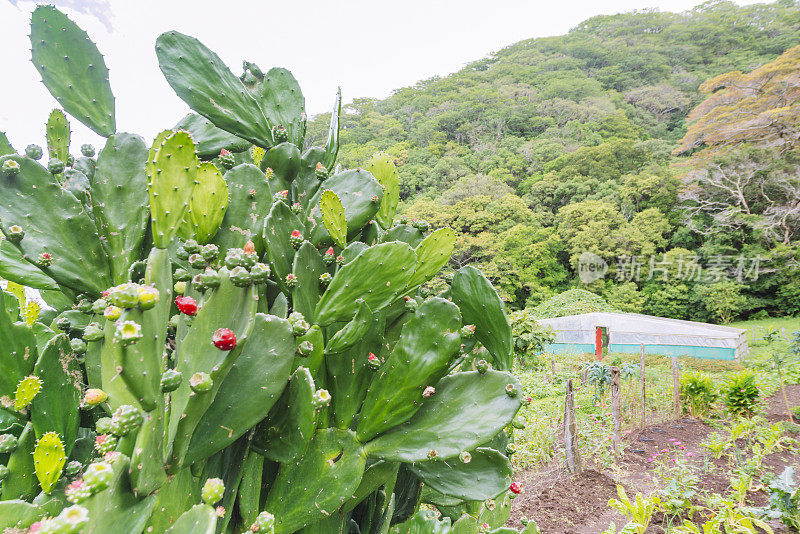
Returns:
(604, 332)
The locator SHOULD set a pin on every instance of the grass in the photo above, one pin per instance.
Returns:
(759, 349)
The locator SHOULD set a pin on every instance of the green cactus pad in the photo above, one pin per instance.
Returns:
(49, 460)
(432, 254)
(248, 501)
(481, 305)
(286, 162)
(250, 199)
(307, 268)
(171, 178)
(200, 519)
(14, 267)
(77, 183)
(333, 217)
(27, 389)
(72, 69)
(5, 145)
(487, 475)
(353, 332)
(55, 408)
(307, 180)
(467, 410)
(332, 145)
(208, 138)
(250, 389)
(420, 358)
(177, 495)
(19, 348)
(278, 226)
(209, 202)
(384, 170)
(356, 190)
(55, 222)
(18, 514)
(405, 233)
(312, 488)
(57, 134)
(283, 103)
(286, 432)
(21, 482)
(201, 79)
(384, 269)
(313, 362)
(120, 201)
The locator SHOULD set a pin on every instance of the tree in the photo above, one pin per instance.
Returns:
(722, 299)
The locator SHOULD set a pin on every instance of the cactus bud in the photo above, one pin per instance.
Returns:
(33, 152)
(182, 253)
(99, 306)
(182, 275)
(340, 260)
(518, 423)
(70, 161)
(432, 454)
(98, 476)
(201, 382)
(93, 332)
(125, 420)
(55, 166)
(510, 449)
(425, 292)
(448, 277)
(240, 277)
(209, 278)
(281, 196)
(105, 443)
(484, 528)
(403, 219)
(72, 468)
(325, 280)
(124, 295)
(103, 425)
(329, 257)
(94, 396)
(179, 288)
(467, 331)
(511, 390)
(226, 159)
(465, 457)
(191, 246)
(482, 366)
(148, 297)
(515, 488)
(186, 305)
(171, 380)
(264, 523)
(296, 239)
(197, 261)
(268, 173)
(87, 150)
(10, 168)
(45, 259)
(112, 313)
(297, 208)
(63, 324)
(128, 332)
(321, 172)
(305, 348)
(429, 392)
(252, 193)
(411, 304)
(280, 134)
(291, 281)
(233, 257)
(8, 442)
(374, 200)
(299, 324)
(74, 518)
(321, 398)
(77, 491)
(526, 400)
(210, 252)
(15, 233)
(259, 273)
(213, 491)
(197, 283)
(373, 361)
(224, 339)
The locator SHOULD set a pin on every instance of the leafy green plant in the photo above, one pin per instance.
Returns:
(784, 499)
(741, 393)
(717, 444)
(698, 392)
(529, 337)
(640, 511)
(238, 344)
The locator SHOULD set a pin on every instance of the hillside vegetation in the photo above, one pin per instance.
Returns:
(557, 146)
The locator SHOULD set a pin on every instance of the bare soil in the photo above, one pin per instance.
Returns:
(564, 504)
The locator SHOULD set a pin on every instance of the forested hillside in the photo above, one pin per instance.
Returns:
(557, 146)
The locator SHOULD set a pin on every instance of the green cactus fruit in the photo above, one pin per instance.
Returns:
(321, 398)
(233, 258)
(290, 281)
(125, 420)
(374, 362)
(192, 247)
(55, 166)
(8, 442)
(84, 305)
(198, 285)
(112, 313)
(321, 172)
(197, 261)
(482, 366)
(325, 280)
(148, 297)
(240, 277)
(299, 324)
(99, 306)
(209, 278)
(280, 134)
(34, 152)
(201, 382)
(93, 332)
(421, 225)
(45, 259)
(94, 397)
(259, 273)
(210, 252)
(87, 150)
(10, 168)
(27, 389)
(170, 380)
(296, 239)
(15, 233)
(78, 346)
(104, 425)
(127, 332)
(98, 476)
(213, 490)
(124, 295)
(305, 349)
(182, 275)
(329, 257)
(72, 468)
(48, 460)
(105, 443)
(264, 523)
(226, 159)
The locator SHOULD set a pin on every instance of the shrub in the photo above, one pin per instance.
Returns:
(529, 337)
(741, 394)
(697, 392)
(571, 302)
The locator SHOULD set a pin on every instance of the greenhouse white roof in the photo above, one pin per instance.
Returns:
(632, 328)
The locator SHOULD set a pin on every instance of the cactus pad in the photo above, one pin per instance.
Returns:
(49, 460)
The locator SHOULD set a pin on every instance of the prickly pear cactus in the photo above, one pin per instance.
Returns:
(233, 343)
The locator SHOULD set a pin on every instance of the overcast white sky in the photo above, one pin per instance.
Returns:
(369, 47)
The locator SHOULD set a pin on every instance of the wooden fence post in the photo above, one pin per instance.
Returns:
(644, 397)
(676, 387)
(615, 408)
(571, 432)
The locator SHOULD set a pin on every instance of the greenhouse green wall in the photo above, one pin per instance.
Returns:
(709, 353)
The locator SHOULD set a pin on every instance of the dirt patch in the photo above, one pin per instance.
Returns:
(776, 407)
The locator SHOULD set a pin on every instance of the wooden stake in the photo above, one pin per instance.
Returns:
(644, 396)
(616, 416)
(676, 387)
(571, 432)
